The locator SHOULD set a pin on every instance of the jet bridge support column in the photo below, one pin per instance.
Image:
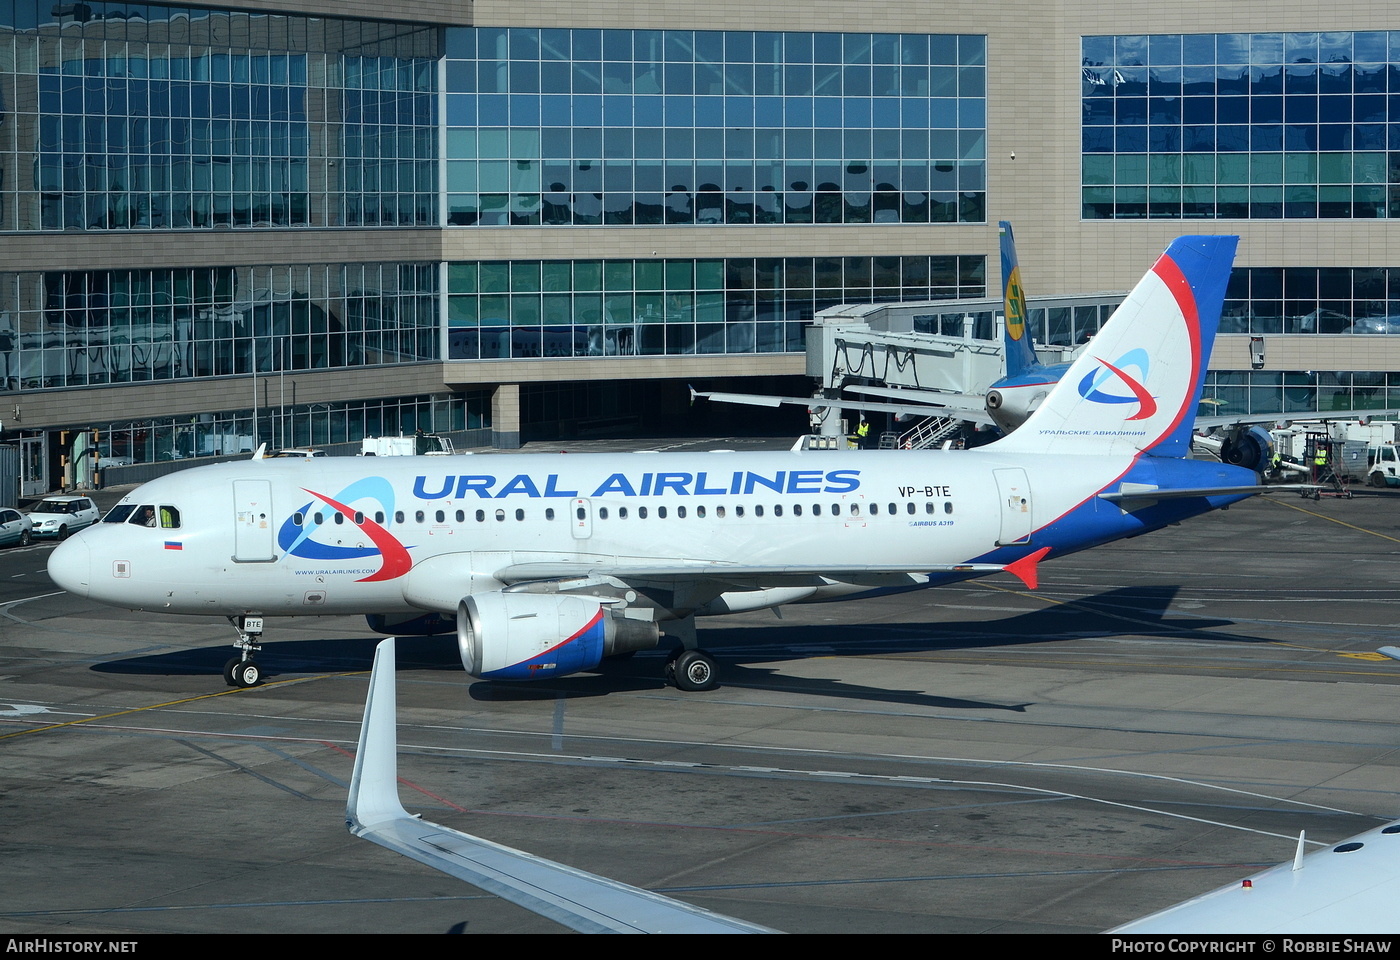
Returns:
(505, 416)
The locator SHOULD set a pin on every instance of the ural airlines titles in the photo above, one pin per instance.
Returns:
(699, 484)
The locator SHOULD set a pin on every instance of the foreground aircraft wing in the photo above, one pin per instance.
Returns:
(581, 901)
(1348, 888)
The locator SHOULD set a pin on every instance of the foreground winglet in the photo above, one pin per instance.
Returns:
(581, 901)
(1025, 569)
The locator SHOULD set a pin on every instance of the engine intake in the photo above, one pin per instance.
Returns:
(529, 636)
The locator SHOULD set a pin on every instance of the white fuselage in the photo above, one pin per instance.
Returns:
(349, 535)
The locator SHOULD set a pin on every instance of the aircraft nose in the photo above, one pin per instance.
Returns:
(70, 566)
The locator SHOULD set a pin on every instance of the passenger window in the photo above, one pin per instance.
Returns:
(602, 513)
(379, 517)
(500, 516)
(758, 510)
(661, 512)
(441, 516)
(855, 509)
(928, 507)
(797, 509)
(700, 512)
(317, 518)
(359, 518)
(816, 509)
(680, 512)
(719, 512)
(739, 511)
(519, 514)
(874, 509)
(909, 507)
(398, 516)
(641, 513)
(622, 513)
(480, 516)
(169, 518)
(418, 515)
(339, 518)
(461, 515)
(948, 507)
(549, 513)
(778, 510)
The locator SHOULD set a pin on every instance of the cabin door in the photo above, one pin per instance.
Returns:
(1014, 491)
(252, 524)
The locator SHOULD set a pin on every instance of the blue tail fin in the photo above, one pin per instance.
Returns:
(1020, 351)
(1136, 387)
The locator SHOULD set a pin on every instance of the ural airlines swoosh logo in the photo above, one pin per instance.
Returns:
(302, 541)
(1090, 388)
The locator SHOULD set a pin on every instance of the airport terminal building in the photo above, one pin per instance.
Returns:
(527, 220)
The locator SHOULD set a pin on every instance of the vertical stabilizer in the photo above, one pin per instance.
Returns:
(1136, 386)
(1020, 350)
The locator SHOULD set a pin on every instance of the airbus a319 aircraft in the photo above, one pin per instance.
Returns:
(546, 564)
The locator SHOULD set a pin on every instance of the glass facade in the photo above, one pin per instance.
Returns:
(1300, 391)
(1272, 300)
(230, 432)
(592, 308)
(1241, 126)
(76, 328)
(141, 116)
(585, 127)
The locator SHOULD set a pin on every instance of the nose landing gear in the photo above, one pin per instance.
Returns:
(243, 670)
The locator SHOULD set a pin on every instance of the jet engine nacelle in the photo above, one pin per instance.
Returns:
(1009, 408)
(1252, 448)
(531, 636)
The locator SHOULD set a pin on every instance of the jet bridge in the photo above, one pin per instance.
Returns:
(903, 350)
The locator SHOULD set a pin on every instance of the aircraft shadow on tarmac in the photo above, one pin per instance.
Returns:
(1133, 611)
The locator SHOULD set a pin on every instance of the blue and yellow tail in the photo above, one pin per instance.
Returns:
(1020, 350)
(1135, 387)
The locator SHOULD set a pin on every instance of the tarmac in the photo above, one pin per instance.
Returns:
(1162, 716)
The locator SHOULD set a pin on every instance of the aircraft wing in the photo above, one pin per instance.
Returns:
(961, 405)
(1348, 888)
(740, 577)
(579, 900)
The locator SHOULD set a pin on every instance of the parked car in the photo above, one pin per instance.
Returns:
(61, 516)
(15, 527)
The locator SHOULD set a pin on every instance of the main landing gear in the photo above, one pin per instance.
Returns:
(691, 669)
(243, 670)
(688, 667)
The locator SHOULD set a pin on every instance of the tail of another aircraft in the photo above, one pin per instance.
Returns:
(1020, 350)
(1136, 386)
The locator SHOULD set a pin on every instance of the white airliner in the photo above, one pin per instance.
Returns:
(550, 563)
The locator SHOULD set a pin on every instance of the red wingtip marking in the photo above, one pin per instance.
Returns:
(1025, 568)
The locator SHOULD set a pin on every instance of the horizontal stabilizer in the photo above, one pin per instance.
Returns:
(579, 900)
(1141, 492)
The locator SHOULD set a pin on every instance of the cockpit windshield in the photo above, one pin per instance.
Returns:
(145, 515)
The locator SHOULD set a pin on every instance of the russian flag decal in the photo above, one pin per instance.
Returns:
(174, 545)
